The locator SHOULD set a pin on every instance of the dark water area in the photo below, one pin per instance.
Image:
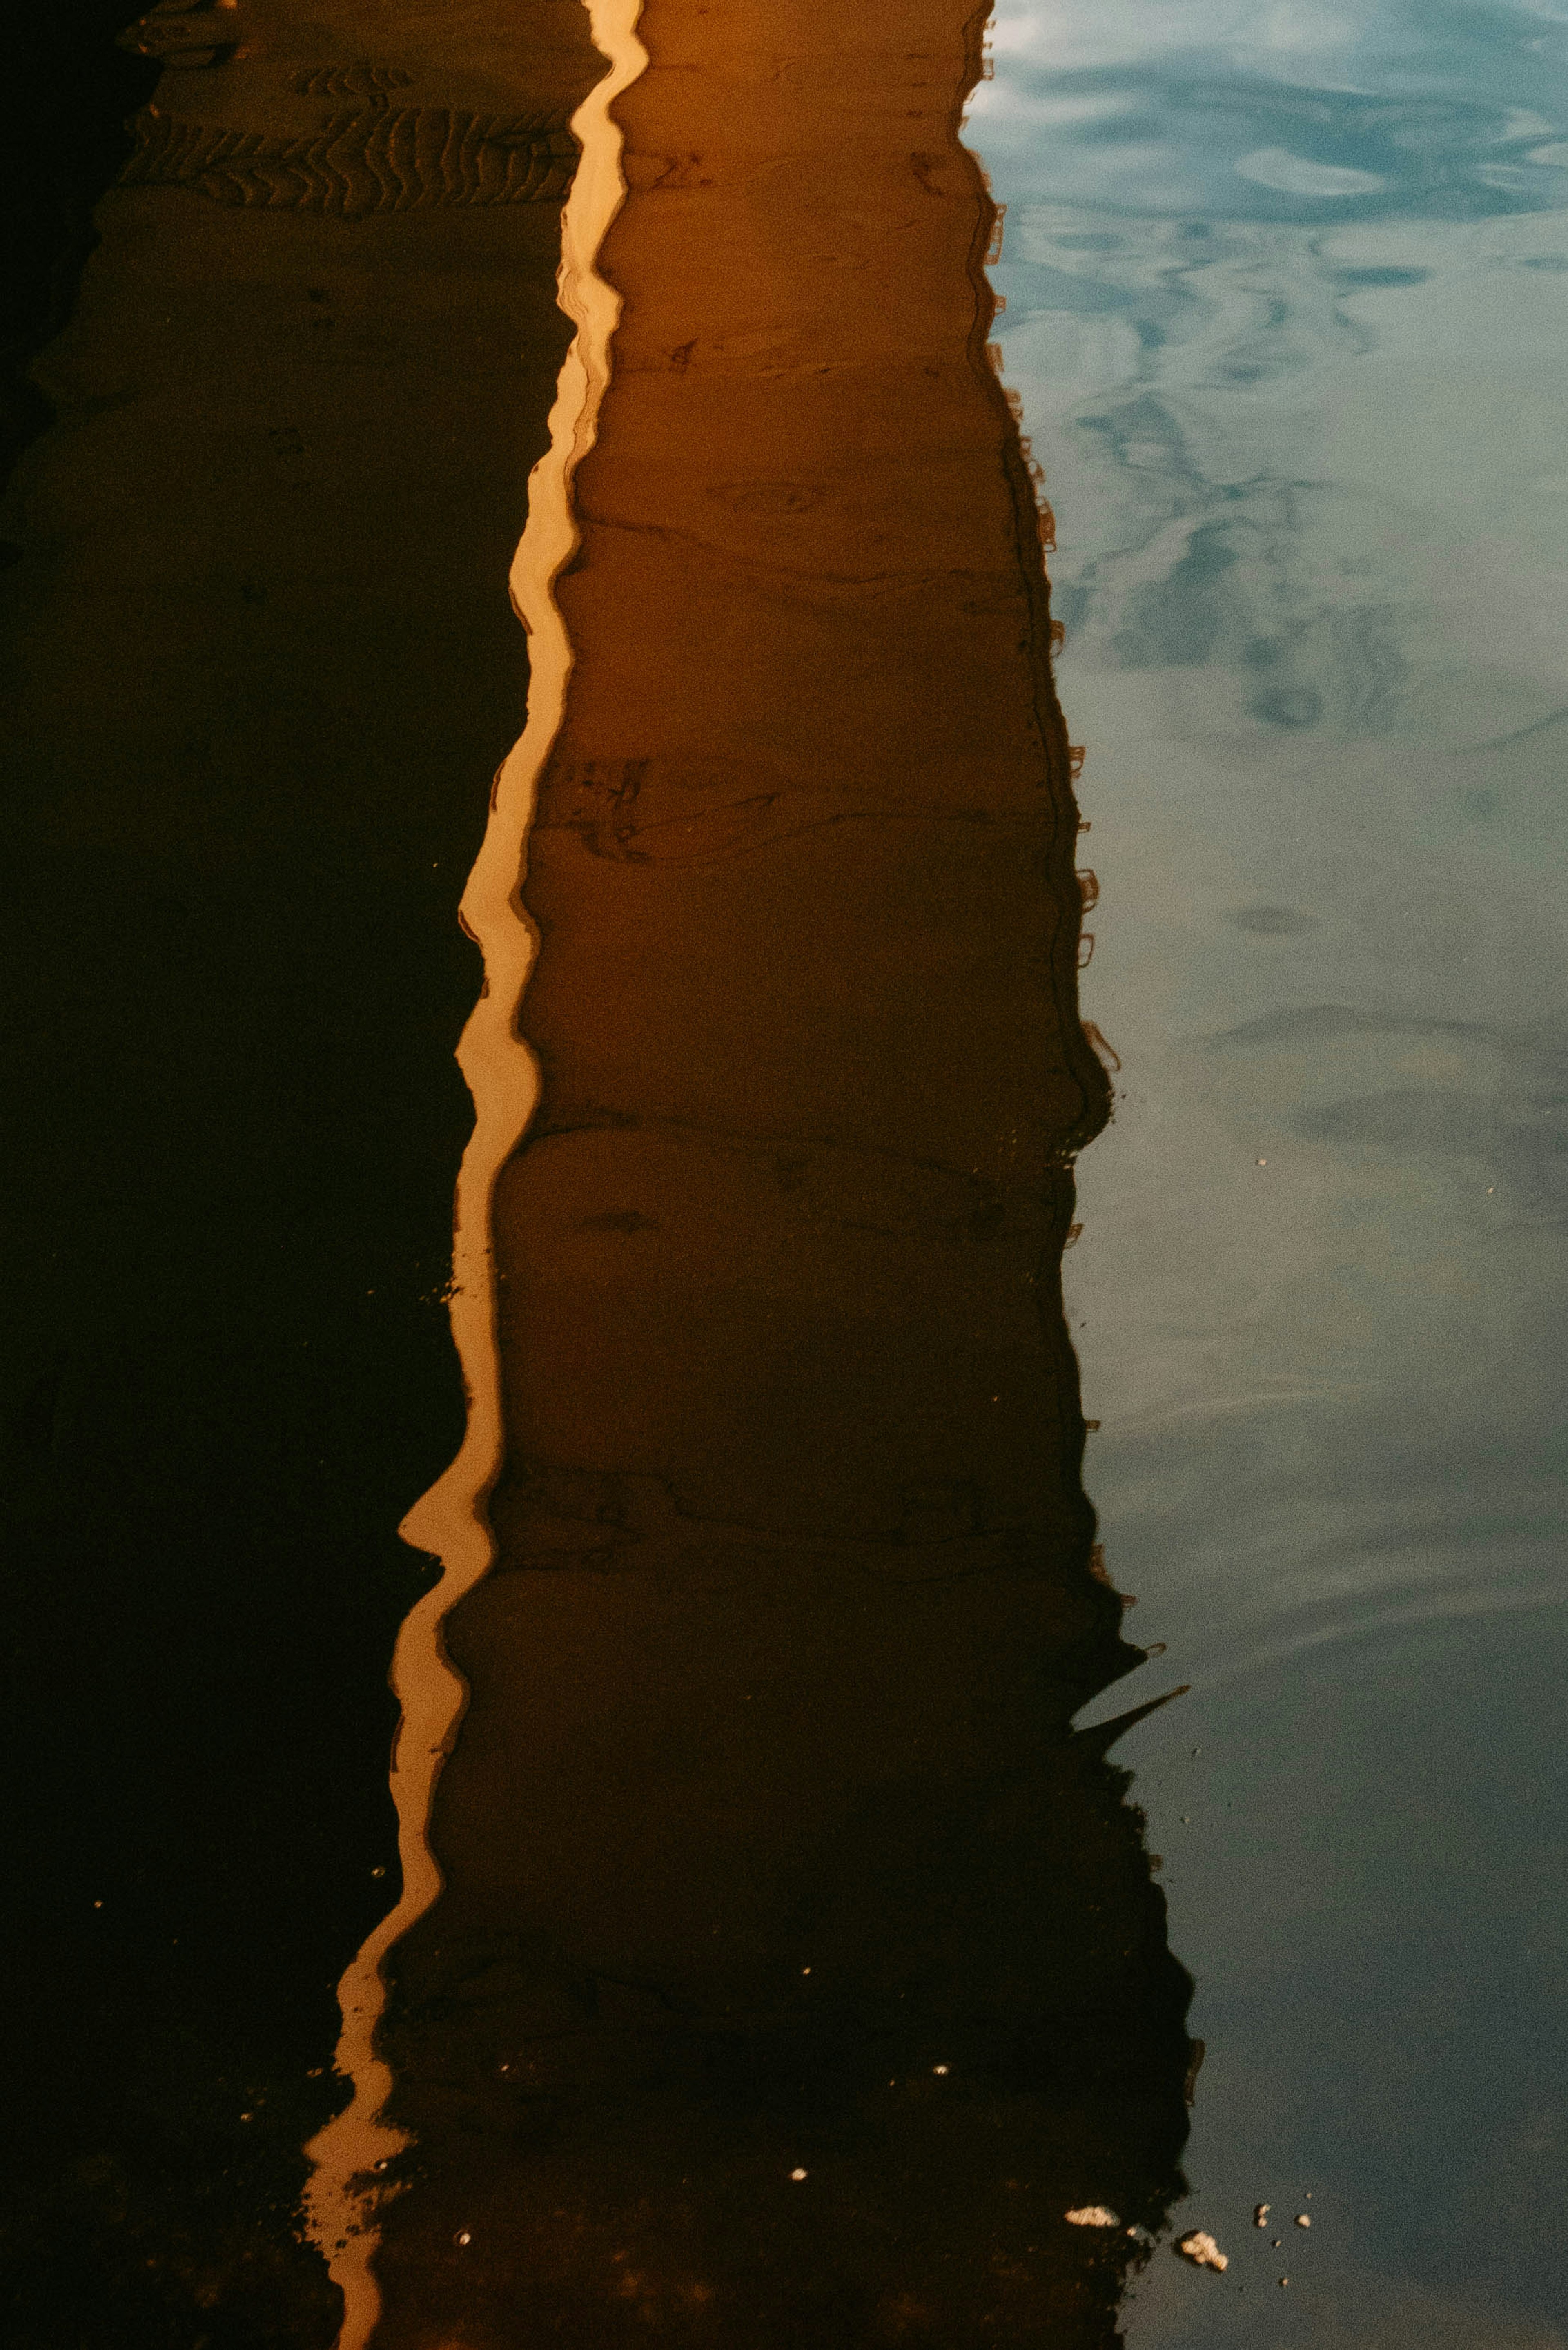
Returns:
(260, 667)
(830, 1887)
(71, 90)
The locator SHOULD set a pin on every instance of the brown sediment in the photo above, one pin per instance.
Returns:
(795, 1968)
(451, 1521)
(402, 160)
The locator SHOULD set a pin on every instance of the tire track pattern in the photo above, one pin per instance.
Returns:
(407, 160)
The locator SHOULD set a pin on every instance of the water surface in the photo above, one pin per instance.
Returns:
(799, 1959)
(1287, 297)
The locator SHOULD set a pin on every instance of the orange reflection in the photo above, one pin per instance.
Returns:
(795, 1970)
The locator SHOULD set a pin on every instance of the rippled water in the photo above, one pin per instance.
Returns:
(1287, 303)
(772, 1965)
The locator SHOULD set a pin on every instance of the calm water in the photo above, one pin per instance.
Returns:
(797, 1966)
(1287, 301)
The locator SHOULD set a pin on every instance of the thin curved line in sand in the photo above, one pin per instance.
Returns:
(451, 1521)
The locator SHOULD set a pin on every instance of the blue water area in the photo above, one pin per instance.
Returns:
(1287, 308)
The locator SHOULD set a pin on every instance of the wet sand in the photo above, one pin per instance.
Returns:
(767, 1846)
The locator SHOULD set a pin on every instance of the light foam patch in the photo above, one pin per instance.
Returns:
(1293, 176)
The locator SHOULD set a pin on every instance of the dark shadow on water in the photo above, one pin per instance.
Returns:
(798, 1970)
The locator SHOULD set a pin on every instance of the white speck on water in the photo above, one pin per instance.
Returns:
(463, 2237)
(1201, 2249)
(797, 2175)
(1092, 2215)
(1259, 2215)
(1263, 1163)
(1304, 2219)
(939, 2068)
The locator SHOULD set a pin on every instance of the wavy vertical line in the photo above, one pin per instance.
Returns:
(451, 1519)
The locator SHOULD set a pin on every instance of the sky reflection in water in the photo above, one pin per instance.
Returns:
(1287, 306)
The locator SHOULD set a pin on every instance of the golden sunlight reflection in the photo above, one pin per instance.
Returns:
(450, 1521)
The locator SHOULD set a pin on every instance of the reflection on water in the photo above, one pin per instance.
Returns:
(1286, 308)
(796, 1967)
(798, 1961)
(796, 1970)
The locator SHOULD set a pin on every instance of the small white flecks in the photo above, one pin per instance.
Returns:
(797, 2175)
(1201, 2249)
(805, 1970)
(1284, 2280)
(1263, 1163)
(1261, 2215)
(1092, 2215)
(463, 2237)
(1490, 1190)
(1304, 2219)
(377, 1872)
(245, 2118)
(1276, 2242)
(939, 2069)
(98, 1905)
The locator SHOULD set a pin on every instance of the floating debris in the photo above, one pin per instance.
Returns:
(1092, 2215)
(1261, 2216)
(1304, 2219)
(1201, 2249)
